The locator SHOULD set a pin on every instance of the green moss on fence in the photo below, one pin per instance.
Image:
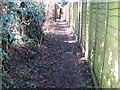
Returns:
(101, 36)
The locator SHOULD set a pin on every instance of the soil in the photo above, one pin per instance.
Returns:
(59, 63)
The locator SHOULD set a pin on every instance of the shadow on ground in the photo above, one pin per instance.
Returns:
(57, 64)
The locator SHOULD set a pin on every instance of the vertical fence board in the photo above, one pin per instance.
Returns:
(97, 27)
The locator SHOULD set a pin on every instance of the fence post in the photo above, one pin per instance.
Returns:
(84, 25)
(89, 27)
(78, 22)
(89, 45)
(105, 40)
(94, 48)
(79, 5)
(81, 25)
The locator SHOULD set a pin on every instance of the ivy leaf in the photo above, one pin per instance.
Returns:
(12, 37)
(22, 27)
(17, 18)
(18, 29)
(4, 17)
(6, 56)
(12, 18)
(27, 83)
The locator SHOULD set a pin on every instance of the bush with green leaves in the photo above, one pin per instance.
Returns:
(20, 22)
(26, 18)
(35, 17)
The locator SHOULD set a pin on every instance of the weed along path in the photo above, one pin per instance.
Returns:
(57, 64)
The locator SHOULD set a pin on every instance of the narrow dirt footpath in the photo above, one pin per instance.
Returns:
(69, 69)
(57, 64)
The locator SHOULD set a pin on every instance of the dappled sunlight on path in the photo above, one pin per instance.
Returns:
(58, 63)
(69, 70)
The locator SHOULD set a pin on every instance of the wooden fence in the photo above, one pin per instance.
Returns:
(96, 25)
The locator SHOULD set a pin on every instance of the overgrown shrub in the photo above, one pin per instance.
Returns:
(20, 22)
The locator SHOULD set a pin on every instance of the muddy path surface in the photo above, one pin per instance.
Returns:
(57, 64)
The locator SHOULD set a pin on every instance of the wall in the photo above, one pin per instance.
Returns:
(96, 25)
(103, 43)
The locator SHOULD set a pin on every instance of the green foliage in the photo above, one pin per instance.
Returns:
(8, 19)
(21, 22)
(35, 18)
(25, 38)
(29, 16)
(5, 58)
(63, 3)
